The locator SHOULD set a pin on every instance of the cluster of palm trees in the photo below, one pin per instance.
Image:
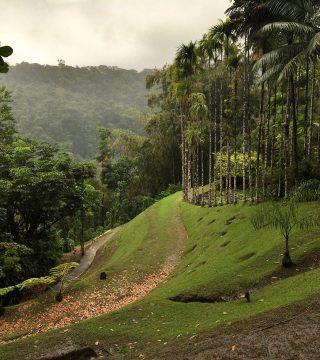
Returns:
(247, 100)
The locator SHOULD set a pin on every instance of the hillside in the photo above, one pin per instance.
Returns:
(65, 104)
(196, 306)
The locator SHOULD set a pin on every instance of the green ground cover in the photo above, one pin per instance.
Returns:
(223, 255)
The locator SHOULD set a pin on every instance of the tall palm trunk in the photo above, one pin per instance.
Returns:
(311, 109)
(235, 139)
(215, 144)
(266, 145)
(183, 165)
(294, 127)
(261, 122)
(286, 142)
(273, 136)
(228, 175)
(189, 158)
(210, 140)
(221, 138)
(244, 137)
(306, 113)
(249, 81)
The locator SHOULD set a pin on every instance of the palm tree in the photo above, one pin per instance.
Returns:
(298, 23)
(186, 63)
(208, 49)
(233, 63)
(194, 138)
(199, 112)
(224, 31)
(286, 217)
(186, 59)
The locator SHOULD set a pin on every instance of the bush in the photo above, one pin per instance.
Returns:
(171, 189)
(68, 245)
(307, 191)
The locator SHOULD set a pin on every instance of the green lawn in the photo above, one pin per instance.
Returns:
(223, 255)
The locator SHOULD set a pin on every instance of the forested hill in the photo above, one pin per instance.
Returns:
(66, 104)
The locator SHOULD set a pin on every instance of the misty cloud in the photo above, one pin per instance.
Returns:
(126, 33)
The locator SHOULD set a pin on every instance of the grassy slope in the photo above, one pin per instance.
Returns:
(139, 248)
(207, 269)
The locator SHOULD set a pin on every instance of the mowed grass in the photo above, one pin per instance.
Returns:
(139, 248)
(223, 255)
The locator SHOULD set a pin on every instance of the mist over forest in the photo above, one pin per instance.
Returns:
(65, 105)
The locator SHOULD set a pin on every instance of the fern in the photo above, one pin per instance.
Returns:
(56, 274)
(7, 290)
(30, 283)
(61, 271)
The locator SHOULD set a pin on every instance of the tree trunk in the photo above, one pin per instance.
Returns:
(215, 146)
(286, 261)
(286, 143)
(221, 127)
(183, 167)
(244, 118)
(189, 174)
(235, 140)
(244, 136)
(210, 142)
(311, 109)
(266, 145)
(273, 137)
(227, 193)
(294, 128)
(306, 114)
(261, 122)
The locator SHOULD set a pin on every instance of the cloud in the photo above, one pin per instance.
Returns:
(65, 1)
(127, 33)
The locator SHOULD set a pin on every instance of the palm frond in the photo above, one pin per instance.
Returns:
(62, 270)
(7, 290)
(292, 65)
(313, 48)
(292, 9)
(279, 55)
(289, 27)
(55, 274)
(271, 74)
(30, 283)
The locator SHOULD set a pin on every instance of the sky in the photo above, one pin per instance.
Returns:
(131, 34)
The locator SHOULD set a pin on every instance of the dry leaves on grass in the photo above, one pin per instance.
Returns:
(80, 307)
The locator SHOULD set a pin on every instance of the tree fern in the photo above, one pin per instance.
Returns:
(56, 274)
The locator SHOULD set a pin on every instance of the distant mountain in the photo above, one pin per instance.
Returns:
(66, 104)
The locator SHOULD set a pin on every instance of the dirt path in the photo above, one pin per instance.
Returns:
(174, 259)
(118, 292)
(90, 254)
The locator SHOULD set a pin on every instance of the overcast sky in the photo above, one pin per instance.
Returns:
(132, 34)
